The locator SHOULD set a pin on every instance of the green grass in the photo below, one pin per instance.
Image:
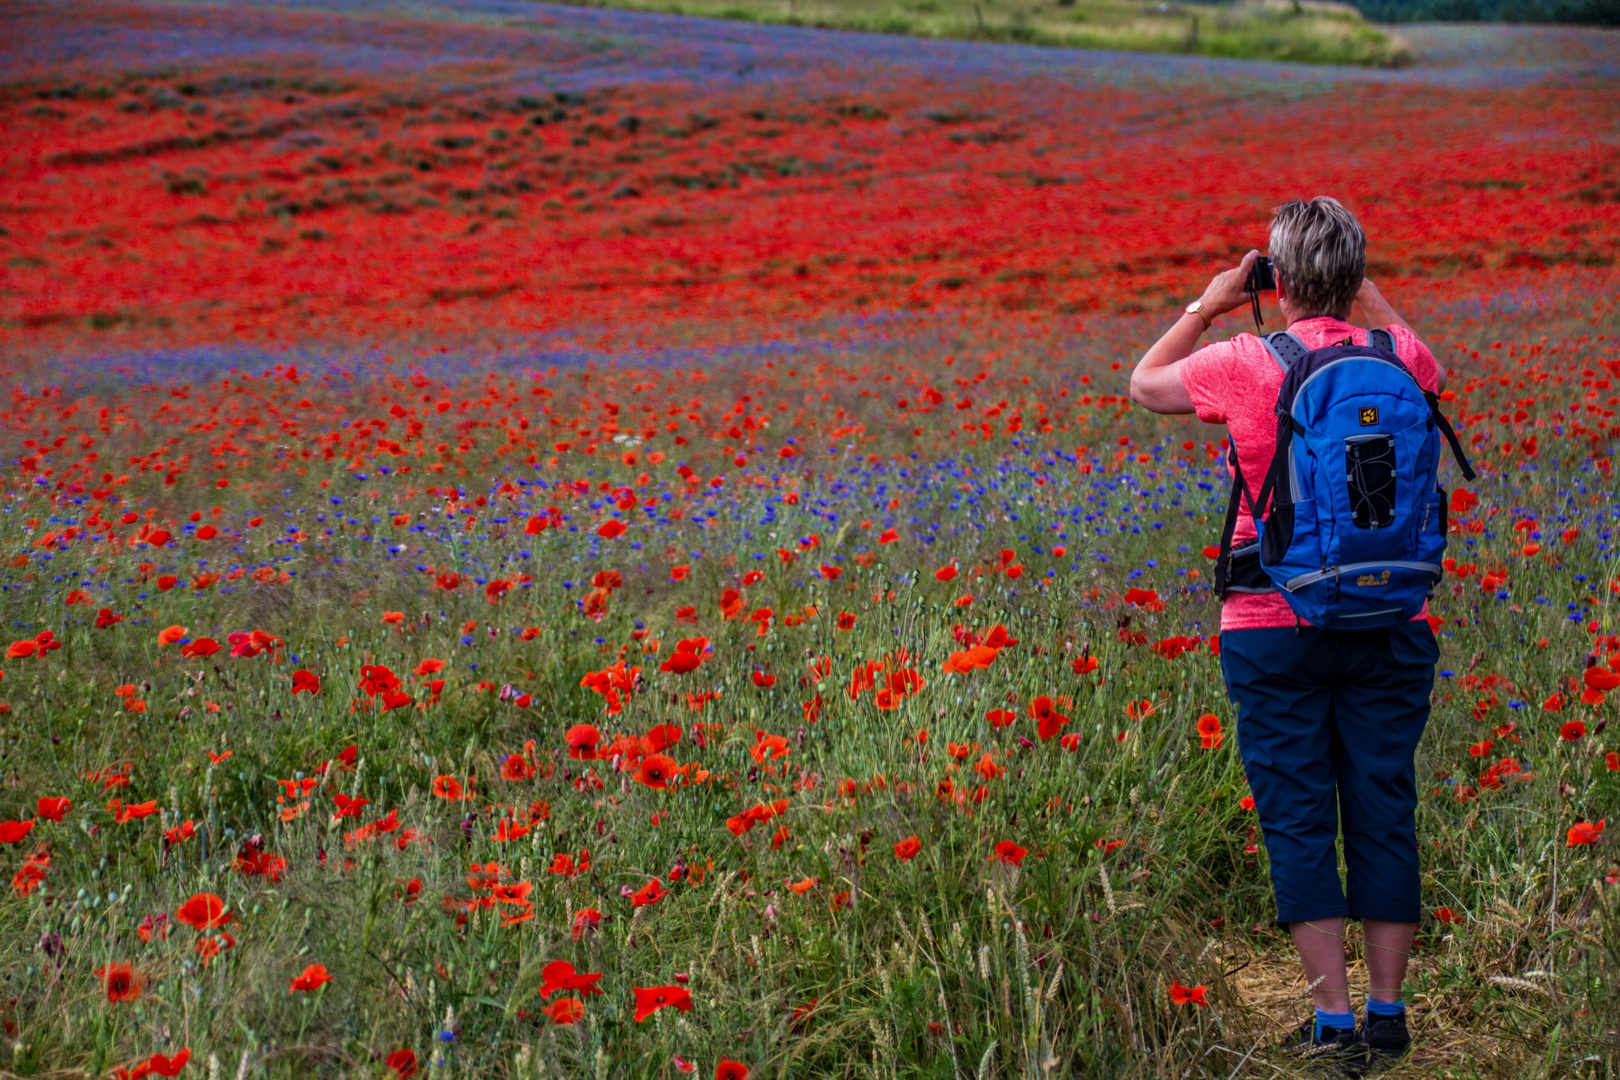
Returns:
(1305, 32)
(951, 965)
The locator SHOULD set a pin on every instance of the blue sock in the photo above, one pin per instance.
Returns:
(1385, 1008)
(1342, 1021)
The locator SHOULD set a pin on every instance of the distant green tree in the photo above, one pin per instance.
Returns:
(1577, 12)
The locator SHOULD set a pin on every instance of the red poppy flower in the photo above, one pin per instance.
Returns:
(1147, 599)
(348, 806)
(650, 893)
(265, 864)
(394, 699)
(106, 618)
(662, 736)
(649, 999)
(611, 529)
(516, 767)
(1047, 719)
(53, 809)
(999, 638)
(1009, 852)
(907, 849)
(200, 648)
(1000, 717)
(1572, 730)
(586, 920)
(1597, 678)
(447, 787)
(1187, 995)
(12, 832)
(159, 1065)
(730, 1070)
(312, 978)
(132, 812)
(565, 1010)
(403, 1062)
(582, 740)
(657, 770)
(559, 975)
(945, 573)
(205, 911)
(1584, 832)
(119, 981)
(1447, 916)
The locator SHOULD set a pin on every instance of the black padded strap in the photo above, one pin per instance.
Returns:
(1285, 347)
(1381, 339)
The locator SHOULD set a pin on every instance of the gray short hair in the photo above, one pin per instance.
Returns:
(1318, 246)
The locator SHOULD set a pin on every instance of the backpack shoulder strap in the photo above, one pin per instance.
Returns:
(1285, 347)
(1381, 339)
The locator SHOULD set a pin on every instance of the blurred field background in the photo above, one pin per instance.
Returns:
(391, 391)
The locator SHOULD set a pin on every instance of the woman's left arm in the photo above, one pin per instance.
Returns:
(1156, 380)
(1381, 312)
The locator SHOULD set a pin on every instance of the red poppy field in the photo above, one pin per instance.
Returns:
(548, 547)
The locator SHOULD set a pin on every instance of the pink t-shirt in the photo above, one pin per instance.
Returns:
(1235, 383)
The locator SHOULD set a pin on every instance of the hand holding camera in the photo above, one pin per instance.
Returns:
(1231, 289)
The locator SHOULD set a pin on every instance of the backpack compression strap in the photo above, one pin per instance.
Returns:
(1223, 562)
(1238, 571)
(1450, 434)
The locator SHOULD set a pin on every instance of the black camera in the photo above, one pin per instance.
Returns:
(1261, 277)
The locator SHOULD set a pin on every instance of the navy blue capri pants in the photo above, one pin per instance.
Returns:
(1328, 724)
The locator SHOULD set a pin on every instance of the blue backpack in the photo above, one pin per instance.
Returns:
(1351, 516)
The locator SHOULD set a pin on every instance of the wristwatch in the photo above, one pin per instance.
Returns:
(1197, 308)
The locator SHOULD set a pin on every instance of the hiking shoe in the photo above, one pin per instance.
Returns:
(1341, 1048)
(1386, 1038)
